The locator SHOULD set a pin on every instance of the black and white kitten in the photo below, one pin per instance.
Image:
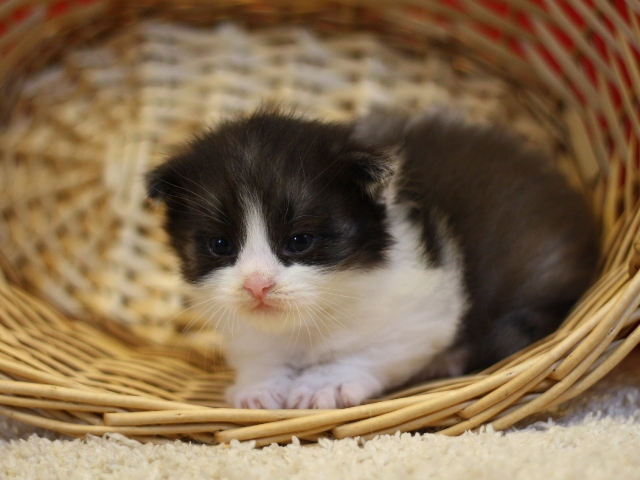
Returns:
(351, 258)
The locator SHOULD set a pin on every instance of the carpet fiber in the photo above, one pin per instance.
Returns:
(595, 436)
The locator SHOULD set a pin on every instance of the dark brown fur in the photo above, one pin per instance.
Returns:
(528, 242)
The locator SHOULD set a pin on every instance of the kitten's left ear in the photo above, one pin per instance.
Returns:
(373, 169)
(160, 181)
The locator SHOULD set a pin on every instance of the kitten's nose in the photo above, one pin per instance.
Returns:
(258, 286)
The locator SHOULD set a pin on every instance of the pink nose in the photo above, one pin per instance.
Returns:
(258, 286)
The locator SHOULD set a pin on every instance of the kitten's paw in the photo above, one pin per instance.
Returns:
(266, 395)
(337, 395)
(331, 389)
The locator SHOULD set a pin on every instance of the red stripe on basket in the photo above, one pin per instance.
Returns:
(575, 17)
(562, 37)
(21, 14)
(621, 7)
(516, 47)
(523, 20)
(626, 76)
(550, 59)
(58, 9)
(588, 69)
(491, 32)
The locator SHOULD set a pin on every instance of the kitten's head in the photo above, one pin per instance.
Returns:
(270, 213)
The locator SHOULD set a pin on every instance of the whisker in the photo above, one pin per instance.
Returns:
(337, 294)
(316, 295)
(215, 328)
(299, 329)
(315, 324)
(335, 306)
(334, 319)
(233, 322)
(197, 315)
(224, 316)
(325, 287)
(198, 333)
(305, 324)
(321, 315)
(286, 320)
(165, 323)
(204, 213)
(209, 320)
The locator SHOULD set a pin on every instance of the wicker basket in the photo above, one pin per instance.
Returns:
(77, 238)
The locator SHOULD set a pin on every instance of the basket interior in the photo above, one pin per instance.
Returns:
(84, 132)
(117, 85)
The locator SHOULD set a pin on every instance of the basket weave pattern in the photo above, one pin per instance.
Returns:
(77, 237)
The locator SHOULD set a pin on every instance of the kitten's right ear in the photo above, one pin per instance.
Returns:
(372, 169)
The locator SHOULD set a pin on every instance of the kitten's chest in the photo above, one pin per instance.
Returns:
(406, 304)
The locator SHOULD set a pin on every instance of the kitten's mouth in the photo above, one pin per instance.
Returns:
(265, 308)
(260, 306)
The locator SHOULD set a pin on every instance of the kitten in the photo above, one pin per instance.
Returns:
(348, 259)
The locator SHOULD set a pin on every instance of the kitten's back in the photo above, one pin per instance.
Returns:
(528, 242)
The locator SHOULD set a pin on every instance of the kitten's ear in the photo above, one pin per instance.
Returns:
(373, 169)
(161, 181)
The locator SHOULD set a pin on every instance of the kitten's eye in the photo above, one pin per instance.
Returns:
(221, 246)
(300, 242)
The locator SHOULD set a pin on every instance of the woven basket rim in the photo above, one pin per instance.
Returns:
(598, 334)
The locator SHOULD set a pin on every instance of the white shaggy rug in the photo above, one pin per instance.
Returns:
(596, 436)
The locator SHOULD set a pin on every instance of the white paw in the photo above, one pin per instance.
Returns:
(270, 394)
(331, 389)
(336, 395)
